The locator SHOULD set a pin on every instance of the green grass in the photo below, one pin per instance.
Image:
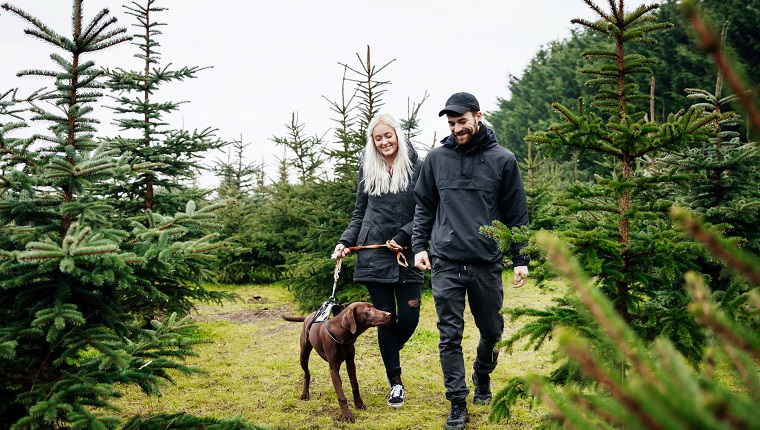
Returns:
(252, 371)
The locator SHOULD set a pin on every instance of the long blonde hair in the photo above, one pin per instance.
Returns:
(377, 180)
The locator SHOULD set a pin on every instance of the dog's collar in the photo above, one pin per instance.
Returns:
(332, 336)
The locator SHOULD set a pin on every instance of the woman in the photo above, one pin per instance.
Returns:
(384, 211)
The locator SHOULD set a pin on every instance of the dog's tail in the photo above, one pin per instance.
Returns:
(294, 319)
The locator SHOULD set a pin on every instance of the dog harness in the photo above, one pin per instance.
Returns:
(330, 306)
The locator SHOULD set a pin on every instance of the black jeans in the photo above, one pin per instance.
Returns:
(482, 284)
(403, 302)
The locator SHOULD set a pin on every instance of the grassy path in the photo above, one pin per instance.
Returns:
(253, 371)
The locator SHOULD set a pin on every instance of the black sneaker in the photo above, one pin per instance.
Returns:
(457, 417)
(482, 383)
(396, 397)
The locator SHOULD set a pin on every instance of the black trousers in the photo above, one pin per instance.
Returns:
(402, 300)
(482, 285)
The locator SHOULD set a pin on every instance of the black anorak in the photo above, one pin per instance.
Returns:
(377, 219)
(464, 187)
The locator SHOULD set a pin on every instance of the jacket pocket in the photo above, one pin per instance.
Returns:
(363, 234)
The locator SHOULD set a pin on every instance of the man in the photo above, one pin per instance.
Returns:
(464, 184)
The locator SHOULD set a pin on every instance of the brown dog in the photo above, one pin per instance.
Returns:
(334, 340)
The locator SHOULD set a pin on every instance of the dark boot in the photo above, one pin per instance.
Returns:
(482, 382)
(458, 416)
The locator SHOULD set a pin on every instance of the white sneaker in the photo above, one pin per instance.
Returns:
(396, 397)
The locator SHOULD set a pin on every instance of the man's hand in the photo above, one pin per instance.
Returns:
(521, 275)
(422, 262)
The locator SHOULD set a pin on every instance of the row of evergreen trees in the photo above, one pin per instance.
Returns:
(105, 245)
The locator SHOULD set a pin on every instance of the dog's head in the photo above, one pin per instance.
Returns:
(363, 314)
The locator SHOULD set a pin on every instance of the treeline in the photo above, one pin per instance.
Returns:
(106, 244)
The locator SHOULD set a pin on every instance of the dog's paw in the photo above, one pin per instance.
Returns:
(360, 405)
(305, 396)
(349, 417)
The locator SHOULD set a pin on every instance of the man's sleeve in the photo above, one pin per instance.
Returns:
(514, 207)
(426, 198)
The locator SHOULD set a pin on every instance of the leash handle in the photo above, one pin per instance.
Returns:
(400, 257)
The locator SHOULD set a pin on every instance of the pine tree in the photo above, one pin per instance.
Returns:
(68, 268)
(728, 193)
(618, 226)
(174, 154)
(169, 160)
(541, 180)
(242, 186)
(620, 229)
(658, 390)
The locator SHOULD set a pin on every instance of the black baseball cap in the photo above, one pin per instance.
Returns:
(460, 103)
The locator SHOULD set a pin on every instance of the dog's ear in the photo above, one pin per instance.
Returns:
(349, 320)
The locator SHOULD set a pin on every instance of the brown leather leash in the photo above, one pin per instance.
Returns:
(399, 254)
(400, 258)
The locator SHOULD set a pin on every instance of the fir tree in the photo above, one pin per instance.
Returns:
(618, 226)
(658, 390)
(728, 193)
(236, 176)
(67, 266)
(242, 186)
(307, 152)
(725, 191)
(169, 159)
(299, 224)
(541, 182)
(175, 154)
(350, 143)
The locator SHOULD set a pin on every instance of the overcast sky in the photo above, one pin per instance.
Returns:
(273, 58)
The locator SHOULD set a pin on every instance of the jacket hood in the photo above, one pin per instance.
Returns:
(413, 155)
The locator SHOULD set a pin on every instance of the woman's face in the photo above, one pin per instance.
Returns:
(386, 141)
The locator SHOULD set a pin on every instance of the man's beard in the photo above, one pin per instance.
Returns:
(467, 135)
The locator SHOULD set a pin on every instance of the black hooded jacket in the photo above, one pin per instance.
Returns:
(377, 219)
(464, 187)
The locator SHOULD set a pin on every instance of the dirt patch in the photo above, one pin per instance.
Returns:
(258, 310)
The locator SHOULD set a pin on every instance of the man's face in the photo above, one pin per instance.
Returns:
(464, 127)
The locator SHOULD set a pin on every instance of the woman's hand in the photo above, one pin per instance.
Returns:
(340, 251)
(394, 246)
